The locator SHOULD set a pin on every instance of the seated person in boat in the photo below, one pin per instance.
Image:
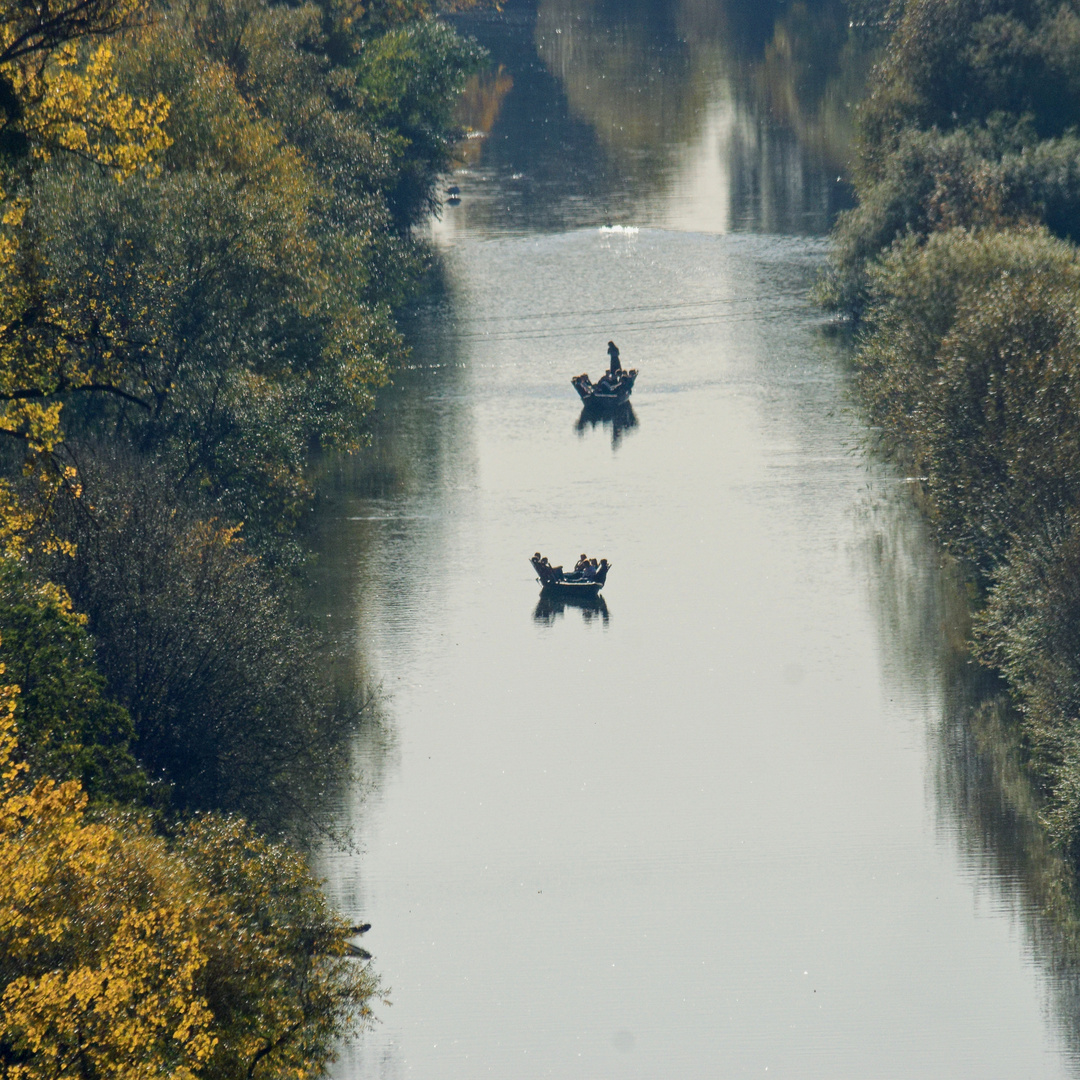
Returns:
(581, 563)
(545, 571)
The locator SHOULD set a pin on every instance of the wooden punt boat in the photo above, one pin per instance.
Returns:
(553, 582)
(604, 394)
(571, 588)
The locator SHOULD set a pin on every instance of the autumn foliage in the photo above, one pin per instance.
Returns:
(98, 954)
(205, 215)
(123, 955)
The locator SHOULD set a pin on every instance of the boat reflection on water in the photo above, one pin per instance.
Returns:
(620, 419)
(553, 606)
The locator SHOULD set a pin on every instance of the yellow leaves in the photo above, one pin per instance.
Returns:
(16, 523)
(78, 107)
(275, 951)
(116, 949)
(128, 1014)
(65, 94)
(9, 768)
(96, 927)
(36, 423)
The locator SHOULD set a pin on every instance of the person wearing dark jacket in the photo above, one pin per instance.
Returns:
(615, 366)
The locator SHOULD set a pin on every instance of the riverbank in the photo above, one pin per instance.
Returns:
(205, 230)
(960, 268)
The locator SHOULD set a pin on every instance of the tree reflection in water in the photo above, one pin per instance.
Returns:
(551, 608)
(619, 420)
(748, 103)
(984, 801)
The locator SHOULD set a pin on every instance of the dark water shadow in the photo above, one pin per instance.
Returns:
(620, 420)
(550, 608)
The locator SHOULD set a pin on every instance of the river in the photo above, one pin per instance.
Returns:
(745, 819)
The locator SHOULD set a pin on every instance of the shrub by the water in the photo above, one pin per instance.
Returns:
(1030, 631)
(960, 269)
(968, 121)
(971, 363)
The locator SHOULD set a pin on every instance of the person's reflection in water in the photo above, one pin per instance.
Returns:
(550, 608)
(620, 419)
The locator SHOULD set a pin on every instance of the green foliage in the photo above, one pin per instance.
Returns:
(231, 309)
(410, 79)
(229, 352)
(1029, 630)
(968, 122)
(69, 729)
(971, 363)
(277, 980)
(230, 693)
(172, 348)
(961, 262)
(956, 63)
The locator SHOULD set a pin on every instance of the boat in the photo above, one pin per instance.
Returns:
(555, 583)
(608, 393)
(569, 589)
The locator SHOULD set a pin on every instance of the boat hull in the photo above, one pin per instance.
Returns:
(585, 590)
(600, 399)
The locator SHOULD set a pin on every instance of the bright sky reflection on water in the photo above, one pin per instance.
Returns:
(732, 824)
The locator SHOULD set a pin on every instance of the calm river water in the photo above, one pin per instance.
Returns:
(739, 822)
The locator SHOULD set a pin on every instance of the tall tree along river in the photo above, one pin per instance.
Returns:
(739, 822)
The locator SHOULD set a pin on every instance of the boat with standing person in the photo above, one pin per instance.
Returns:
(612, 389)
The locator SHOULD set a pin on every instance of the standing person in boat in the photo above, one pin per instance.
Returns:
(615, 367)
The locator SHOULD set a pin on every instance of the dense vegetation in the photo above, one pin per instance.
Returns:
(205, 213)
(961, 270)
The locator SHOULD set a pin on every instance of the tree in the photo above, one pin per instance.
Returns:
(230, 693)
(59, 93)
(99, 959)
(278, 980)
(69, 729)
(56, 94)
(122, 955)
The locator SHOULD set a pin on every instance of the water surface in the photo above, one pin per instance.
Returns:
(737, 822)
